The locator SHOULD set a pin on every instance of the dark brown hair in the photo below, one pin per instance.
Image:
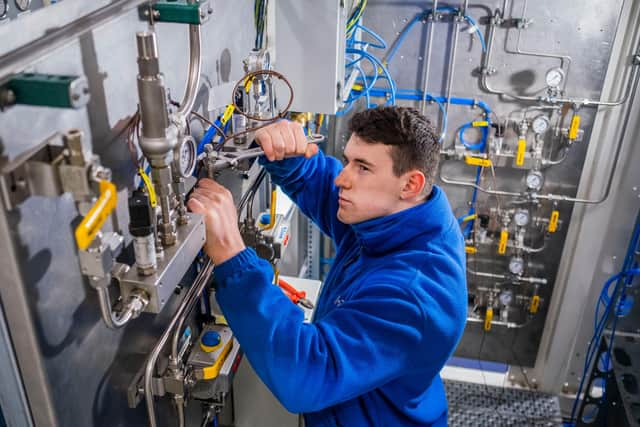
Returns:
(412, 137)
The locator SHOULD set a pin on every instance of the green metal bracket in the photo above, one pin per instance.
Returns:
(45, 90)
(179, 11)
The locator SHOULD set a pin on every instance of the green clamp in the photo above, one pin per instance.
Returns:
(45, 90)
(178, 11)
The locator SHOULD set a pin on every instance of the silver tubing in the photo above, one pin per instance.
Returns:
(452, 62)
(509, 325)
(189, 300)
(111, 319)
(431, 19)
(195, 63)
(486, 66)
(534, 280)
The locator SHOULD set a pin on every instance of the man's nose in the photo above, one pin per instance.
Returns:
(342, 180)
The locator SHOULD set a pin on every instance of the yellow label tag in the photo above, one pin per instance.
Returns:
(97, 215)
(227, 114)
(535, 304)
(487, 319)
(553, 222)
(522, 148)
(247, 84)
(477, 161)
(149, 186)
(575, 127)
(480, 124)
(470, 250)
(504, 238)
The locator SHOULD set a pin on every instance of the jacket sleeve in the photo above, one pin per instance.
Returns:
(375, 336)
(309, 183)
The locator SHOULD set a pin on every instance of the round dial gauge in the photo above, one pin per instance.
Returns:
(505, 297)
(516, 265)
(554, 77)
(534, 181)
(540, 124)
(185, 157)
(521, 217)
(23, 4)
(4, 8)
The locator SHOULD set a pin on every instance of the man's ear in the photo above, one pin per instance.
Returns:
(413, 187)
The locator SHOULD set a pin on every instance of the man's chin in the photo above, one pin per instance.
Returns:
(343, 218)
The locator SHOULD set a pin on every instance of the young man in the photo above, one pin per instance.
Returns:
(393, 306)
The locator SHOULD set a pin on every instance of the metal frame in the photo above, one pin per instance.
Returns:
(14, 300)
(596, 233)
(13, 402)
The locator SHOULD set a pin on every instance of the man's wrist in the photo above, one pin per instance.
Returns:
(222, 255)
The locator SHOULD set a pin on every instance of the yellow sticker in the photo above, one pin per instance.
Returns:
(522, 148)
(149, 187)
(477, 161)
(553, 222)
(504, 238)
(535, 304)
(480, 124)
(227, 114)
(575, 127)
(470, 249)
(487, 319)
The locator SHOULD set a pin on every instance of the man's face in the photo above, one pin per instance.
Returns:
(368, 187)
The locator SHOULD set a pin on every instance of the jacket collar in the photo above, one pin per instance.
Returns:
(381, 235)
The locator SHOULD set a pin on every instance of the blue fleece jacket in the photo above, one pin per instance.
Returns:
(390, 313)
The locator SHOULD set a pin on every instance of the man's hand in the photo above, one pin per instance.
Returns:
(215, 203)
(284, 139)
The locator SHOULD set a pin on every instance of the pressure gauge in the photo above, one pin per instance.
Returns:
(23, 4)
(521, 217)
(185, 156)
(540, 124)
(516, 265)
(505, 297)
(554, 77)
(534, 181)
(4, 8)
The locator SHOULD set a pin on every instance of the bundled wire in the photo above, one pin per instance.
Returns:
(260, 17)
(616, 305)
(355, 17)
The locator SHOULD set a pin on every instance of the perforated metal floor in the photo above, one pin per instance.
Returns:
(477, 405)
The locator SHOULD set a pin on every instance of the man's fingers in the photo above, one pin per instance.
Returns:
(311, 150)
(196, 206)
(211, 185)
(264, 139)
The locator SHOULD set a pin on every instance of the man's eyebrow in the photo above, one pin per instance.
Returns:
(358, 160)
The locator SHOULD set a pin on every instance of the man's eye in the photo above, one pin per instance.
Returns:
(363, 168)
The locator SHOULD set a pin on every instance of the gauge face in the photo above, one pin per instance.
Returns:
(516, 265)
(521, 217)
(4, 8)
(534, 181)
(540, 124)
(554, 77)
(185, 157)
(506, 297)
(23, 4)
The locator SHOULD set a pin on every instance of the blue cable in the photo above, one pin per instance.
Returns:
(381, 43)
(479, 146)
(422, 15)
(376, 63)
